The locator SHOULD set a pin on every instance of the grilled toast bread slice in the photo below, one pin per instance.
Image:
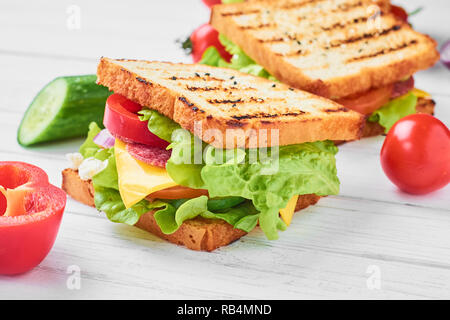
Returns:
(203, 97)
(330, 48)
(196, 234)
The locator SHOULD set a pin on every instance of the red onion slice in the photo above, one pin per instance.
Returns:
(104, 139)
(445, 54)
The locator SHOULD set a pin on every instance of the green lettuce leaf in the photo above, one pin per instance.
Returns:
(232, 1)
(107, 197)
(239, 61)
(173, 213)
(89, 148)
(269, 182)
(107, 178)
(108, 200)
(394, 110)
(158, 124)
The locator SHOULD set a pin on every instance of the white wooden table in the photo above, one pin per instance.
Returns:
(371, 241)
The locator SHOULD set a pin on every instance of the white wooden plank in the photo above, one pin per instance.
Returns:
(324, 255)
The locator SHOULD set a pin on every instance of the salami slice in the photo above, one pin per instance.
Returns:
(151, 155)
(402, 87)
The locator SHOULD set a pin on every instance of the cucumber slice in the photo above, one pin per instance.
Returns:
(63, 109)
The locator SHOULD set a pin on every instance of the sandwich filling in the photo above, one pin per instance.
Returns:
(189, 178)
(384, 105)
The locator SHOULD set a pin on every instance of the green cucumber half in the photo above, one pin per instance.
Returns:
(63, 109)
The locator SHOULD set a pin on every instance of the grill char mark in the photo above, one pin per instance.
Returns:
(239, 13)
(196, 78)
(365, 36)
(292, 38)
(263, 115)
(206, 88)
(225, 101)
(258, 27)
(382, 52)
(340, 109)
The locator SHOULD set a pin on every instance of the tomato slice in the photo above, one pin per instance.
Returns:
(369, 101)
(178, 192)
(121, 120)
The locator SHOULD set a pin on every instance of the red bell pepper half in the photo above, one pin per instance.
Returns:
(30, 214)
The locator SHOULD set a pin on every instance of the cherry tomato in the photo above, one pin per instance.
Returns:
(416, 154)
(367, 102)
(210, 3)
(121, 120)
(399, 12)
(178, 192)
(204, 37)
(29, 218)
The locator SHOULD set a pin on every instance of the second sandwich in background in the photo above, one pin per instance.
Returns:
(355, 52)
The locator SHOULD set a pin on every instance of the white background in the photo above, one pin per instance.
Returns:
(331, 250)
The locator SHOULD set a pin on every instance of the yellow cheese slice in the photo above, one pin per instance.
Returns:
(138, 179)
(420, 93)
(288, 212)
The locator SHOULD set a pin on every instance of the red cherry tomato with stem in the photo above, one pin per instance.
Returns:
(416, 154)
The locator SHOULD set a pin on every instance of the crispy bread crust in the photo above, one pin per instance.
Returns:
(197, 234)
(227, 20)
(333, 122)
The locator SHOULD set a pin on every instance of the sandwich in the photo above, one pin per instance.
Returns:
(355, 52)
(200, 155)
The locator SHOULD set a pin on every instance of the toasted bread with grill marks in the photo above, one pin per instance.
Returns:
(330, 48)
(196, 234)
(222, 99)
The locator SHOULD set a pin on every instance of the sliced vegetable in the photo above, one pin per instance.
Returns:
(304, 168)
(104, 139)
(393, 111)
(30, 213)
(158, 124)
(445, 54)
(204, 37)
(178, 192)
(63, 109)
(121, 119)
(171, 215)
(368, 102)
(239, 61)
